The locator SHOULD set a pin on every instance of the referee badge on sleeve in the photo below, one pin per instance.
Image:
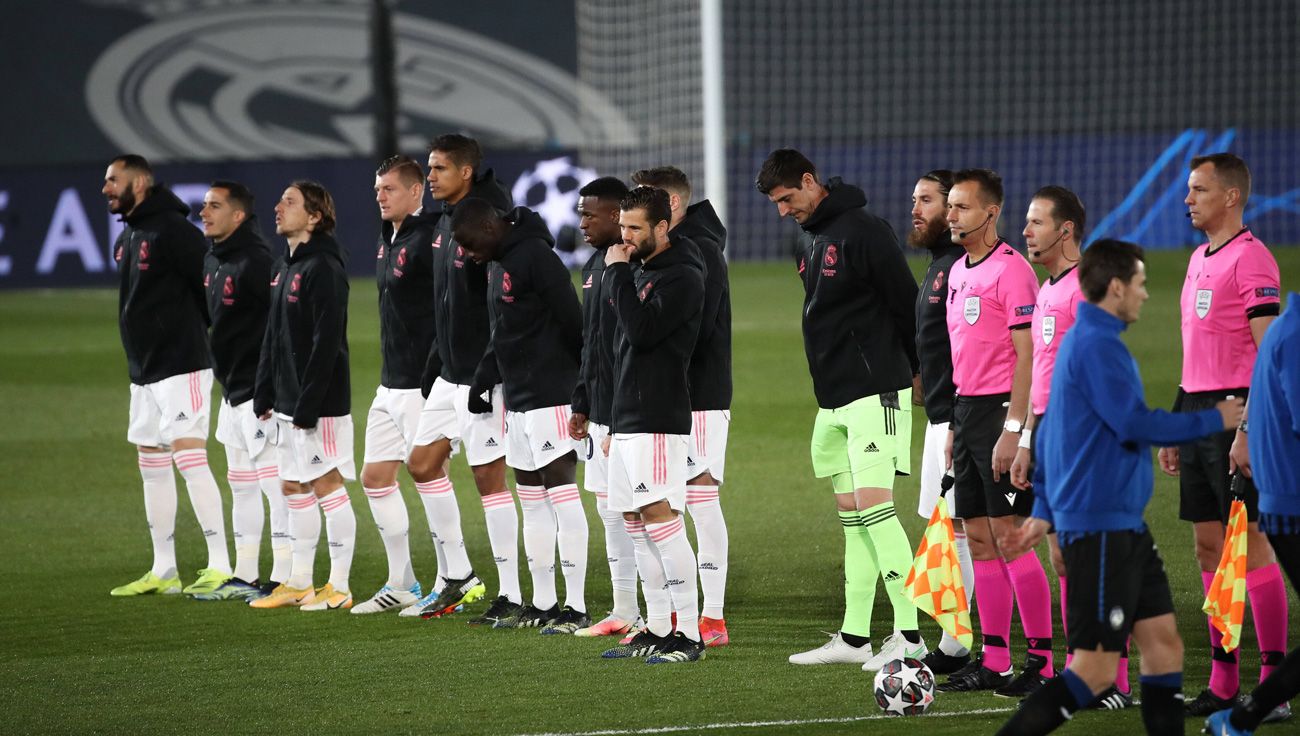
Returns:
(972, 310)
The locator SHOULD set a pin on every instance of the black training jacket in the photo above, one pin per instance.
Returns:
(160, 307)
(710, 368)
(460, 295)
(658, 308)
(536, 321)
(933, 347)
(303, 369)
(859, 320)
(237, 279)
(404, 273)
(593, 395)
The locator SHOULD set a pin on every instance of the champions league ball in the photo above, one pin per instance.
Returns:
(904, 687)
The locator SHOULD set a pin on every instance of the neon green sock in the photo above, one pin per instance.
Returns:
(860, 573)
(893, 554)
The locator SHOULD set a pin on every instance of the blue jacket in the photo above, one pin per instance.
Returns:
(1275, 415)
(1096, 437)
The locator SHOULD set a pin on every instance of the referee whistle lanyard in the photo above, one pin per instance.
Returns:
(1225, 602)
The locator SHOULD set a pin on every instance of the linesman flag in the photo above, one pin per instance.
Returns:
(1225, 602)
(934, 582)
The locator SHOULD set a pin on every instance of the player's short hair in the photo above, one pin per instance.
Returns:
(473, 212)
(237, 194)
(608, 188)
(1066, 206)
(989, 181)
(409, 171)
(316, 200)
(653, 200)
(1230, 169)
(784, 167)
(665, 177)
(135, 163)
(1105, 260)
(461, 149)
(942, 177)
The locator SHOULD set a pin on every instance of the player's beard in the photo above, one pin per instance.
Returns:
(644, 248)
(125, 202)
(934, 234)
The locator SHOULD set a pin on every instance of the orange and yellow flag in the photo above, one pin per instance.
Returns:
(934, 582)
(1225, 603)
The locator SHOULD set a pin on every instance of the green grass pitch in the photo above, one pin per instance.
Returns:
(72, 526)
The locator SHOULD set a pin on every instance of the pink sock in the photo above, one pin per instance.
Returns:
(1121, 671)
(1065, 630)
(1224, 677)
(1034, 601)
(1269, 609)
(993, 600)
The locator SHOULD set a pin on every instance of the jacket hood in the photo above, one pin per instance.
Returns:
(524, 224)
(486, 186)
(160, 199)
(684, 251)
(320, 245)
(247, 235)
(702, 219)
(840, 198)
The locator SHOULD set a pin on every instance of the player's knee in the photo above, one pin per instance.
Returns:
(1208, 552)
(373, 477)
(291, 487)
(424, 464)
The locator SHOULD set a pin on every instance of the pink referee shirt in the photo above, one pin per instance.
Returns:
(1222, 291)
(1058, 301)
(987, 300)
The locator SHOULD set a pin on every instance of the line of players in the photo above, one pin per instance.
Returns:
(483, 352)
(979, 356)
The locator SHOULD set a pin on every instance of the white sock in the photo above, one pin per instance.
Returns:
(539, 543)
(431, 511)
(160, 510)
(503, 535)
(247, 517)
(443, 511)
(304, 533)
(949, 644)
(341, 531)
(654, 584)
(711, 536)
(622, 560)
(389, 512)
(571, 523)
(205, 497)
(679, 565)
(268, 477)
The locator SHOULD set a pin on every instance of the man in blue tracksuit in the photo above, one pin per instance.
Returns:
(1095, 447)
(1275, 467)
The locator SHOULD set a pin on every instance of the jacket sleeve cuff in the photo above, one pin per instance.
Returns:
(1041, 509)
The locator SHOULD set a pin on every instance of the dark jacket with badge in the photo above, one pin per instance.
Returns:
(161, 310)
(859, 323)
(536, 340)
(593, 394)
(237, 278)
(404, 272)
(933, 347)
(460, 295)
(659, 308)
(710, 368)
(303, 369)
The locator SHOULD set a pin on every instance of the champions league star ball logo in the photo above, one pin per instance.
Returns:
(904, 687)
(551, 190)
(228, 79)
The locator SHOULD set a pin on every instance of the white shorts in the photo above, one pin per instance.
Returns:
(707, 451)
(932, 471)
(482, 436)
(596, 476)
(174, 408)
(391, 424)
(537, 438)
(645, 469)
(307, 454)
(239, 429)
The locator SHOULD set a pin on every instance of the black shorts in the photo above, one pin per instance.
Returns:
(1204, 485)
(977, 424)
(1116, 579)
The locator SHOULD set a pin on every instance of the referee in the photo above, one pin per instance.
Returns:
(1094, 444)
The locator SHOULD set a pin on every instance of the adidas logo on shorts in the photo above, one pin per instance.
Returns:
(491, 442)
(259, 435)
(640, 488)
(181, 417)
(547, 446)
(892, 576)
(871, 447)
(690, 462)
(315, 460)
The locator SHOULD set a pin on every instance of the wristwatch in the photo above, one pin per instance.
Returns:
(1014, 426)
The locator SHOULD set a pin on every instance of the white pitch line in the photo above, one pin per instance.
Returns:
(761, 724)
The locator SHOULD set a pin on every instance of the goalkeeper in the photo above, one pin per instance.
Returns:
(1095, 446)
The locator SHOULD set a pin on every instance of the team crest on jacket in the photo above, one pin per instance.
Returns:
(832, 255)
(1203, 299)
(938, 282)
(1049, 329)
(228, 291)
(380, 257)
(645, 290)
(401, 263)
(972, 310)
(144, 255)
(293, 287)
(505, 287)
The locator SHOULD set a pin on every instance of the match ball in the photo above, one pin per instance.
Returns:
(904, 687)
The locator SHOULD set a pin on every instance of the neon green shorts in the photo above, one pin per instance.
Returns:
(870, 438)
